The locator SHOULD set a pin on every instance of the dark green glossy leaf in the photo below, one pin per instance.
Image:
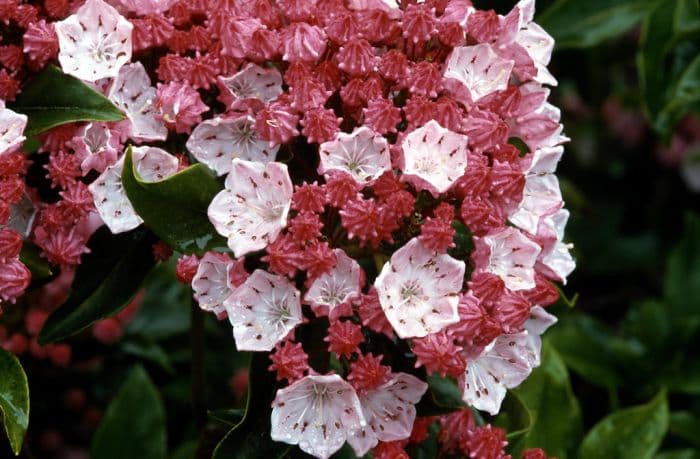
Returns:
(175, 209)
(685, 425)
(54, 98)
(556, 424)
(134, 423)
(251, 437)
(443, 396)
(580, 24)
(105, 281)
(14, 399)
(632, 433)
(31, 258)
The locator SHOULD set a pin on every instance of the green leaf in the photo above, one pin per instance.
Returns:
(590, 348)
(148, 350)
(14, 399)
(134, 423)
(31, 258)
(667, 88)
(443, 396)
(685, 425)
(105, 281)
(54, 98)
(516, 419)
(251, 437)
(581, 24)
(679, 454)
(632, 433)
(682, 281)
(175, 209)
(187, 450)
(556, 424)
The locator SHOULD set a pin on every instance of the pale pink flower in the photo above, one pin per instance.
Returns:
(212, 281)
(11, 129)
(179, 106)
(538, 323)
(419, 290)
(263, 310)
(502, 365)
(336, 287)
(96, 146)
(479, 69)
(252, 209)
(132, 92)
(510, 255)
(434, 157)
(554, 261)
(216, 142)
(95, 42)
(363, 154)
(541, 195)
(389, 411)
(252, 82)
(318, 413)
(152, 165)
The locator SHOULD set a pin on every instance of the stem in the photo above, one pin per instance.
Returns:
(198, 377)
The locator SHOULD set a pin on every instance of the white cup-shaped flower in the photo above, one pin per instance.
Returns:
(434, 157)
(132, 92)
(263, 310)
(216, 142)
(252, 209)
(479, 69)
(95, 42)
(363, 154)
(252, 82)
(419, 290)
(212, 282)
(389, 411)
(318, 413)
(335, 287)
(111, 201)
(510, 255)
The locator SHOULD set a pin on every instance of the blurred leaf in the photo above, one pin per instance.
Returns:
(429, 448)
(186, 451)
(31, 257)
(165, 310)
(667, 95)
(679, 454)
(54, 98)
(648, 323)
(443, 396)
(685, 425)
(632, 433)
(148, 350)
(590, 349)
(251, 437)
(175, 209)
(14, 399)
(580, 24)
(230, 416)
(134, 423)
(687, 379)
(516, 419)
(682, 281)
(556, 424)
(106, 280)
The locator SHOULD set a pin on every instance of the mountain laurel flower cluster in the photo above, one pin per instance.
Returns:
(386, 194)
